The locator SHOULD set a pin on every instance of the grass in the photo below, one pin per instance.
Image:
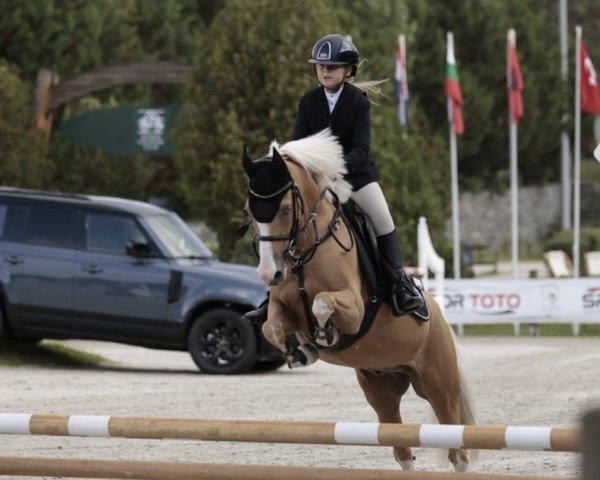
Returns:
(18, 353)
(544, 330)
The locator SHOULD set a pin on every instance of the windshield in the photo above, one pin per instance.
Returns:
(177, 237)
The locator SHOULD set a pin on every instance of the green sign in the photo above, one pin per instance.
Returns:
(124, 130)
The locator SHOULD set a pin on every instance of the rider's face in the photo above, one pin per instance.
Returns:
(332, 76)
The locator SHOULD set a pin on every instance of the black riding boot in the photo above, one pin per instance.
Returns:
(404, 297)
(258, 316)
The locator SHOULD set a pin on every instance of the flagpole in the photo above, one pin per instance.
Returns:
(455, 203)
(454, 184)
(565, 147)
(577, 155)
(514, 174)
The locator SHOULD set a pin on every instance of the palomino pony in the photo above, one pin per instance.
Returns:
(309, 261)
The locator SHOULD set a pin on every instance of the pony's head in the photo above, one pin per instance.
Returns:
(278, 192)
(273, 203)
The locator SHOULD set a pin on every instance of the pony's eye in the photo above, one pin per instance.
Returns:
(287, 209)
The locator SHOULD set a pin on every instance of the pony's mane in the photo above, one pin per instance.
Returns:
(323, 157)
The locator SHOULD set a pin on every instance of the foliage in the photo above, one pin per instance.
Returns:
(244, 91)
(563, 240)
(249, 71)
(23, 158)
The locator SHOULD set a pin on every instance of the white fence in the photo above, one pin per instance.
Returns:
(573, 301)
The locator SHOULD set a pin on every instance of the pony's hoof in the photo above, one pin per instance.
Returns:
(327, 336)
(302, 356)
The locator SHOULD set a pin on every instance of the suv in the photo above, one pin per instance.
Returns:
(102, 268)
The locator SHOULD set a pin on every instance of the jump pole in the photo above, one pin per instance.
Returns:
(320, 433)
(83, 468)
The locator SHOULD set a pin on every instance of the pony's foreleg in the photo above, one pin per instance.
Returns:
(347, 311)
(280, 324)
(383, 392)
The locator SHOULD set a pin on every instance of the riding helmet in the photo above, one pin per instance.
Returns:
(335, 49)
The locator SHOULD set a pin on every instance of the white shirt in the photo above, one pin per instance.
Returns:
(332, 98)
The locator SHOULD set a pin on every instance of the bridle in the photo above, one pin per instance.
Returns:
(299, 259)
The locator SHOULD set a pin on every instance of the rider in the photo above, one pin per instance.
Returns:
(338, 104)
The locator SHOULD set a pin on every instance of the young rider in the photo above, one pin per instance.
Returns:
(338, 104)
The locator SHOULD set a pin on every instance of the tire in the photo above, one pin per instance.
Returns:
(268, 365)
(221, 341)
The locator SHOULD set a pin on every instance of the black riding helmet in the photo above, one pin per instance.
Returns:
(335, 49)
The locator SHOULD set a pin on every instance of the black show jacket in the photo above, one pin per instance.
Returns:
(349, 121)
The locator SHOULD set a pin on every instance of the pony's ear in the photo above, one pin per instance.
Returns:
(249, 166)
(279, 165)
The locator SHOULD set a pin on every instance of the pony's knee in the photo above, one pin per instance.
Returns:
(322, 308)
(274, 334)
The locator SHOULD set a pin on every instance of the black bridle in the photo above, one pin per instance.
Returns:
(299, 259)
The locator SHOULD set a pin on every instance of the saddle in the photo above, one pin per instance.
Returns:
(368, 257)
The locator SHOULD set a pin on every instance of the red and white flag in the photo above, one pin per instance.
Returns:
(590, 96)
(514, 79)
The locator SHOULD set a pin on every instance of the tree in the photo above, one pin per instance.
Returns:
(246, 85)
(484, 23)
(23, 160)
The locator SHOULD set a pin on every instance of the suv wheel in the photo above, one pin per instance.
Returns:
(221, 341)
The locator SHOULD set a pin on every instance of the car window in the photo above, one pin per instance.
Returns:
(12, 222)
(108, 233)
(177, 237)
(50, 226)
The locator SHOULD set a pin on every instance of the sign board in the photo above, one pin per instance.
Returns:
(123, 130)
(514, 301)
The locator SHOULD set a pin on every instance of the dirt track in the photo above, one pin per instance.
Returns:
(539, 382)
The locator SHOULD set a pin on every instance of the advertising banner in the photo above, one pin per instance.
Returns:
(522, 301)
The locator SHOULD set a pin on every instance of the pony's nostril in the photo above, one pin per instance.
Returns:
(278, 277)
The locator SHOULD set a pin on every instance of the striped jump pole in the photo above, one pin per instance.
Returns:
(322, 433)
(80, 468)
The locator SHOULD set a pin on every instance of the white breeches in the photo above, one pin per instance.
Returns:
(371, 200)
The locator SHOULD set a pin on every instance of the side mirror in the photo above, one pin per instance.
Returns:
(138, 250)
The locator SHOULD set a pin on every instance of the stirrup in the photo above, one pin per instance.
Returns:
(403, 300)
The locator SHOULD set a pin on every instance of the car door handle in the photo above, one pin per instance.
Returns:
(93, 269)
(13, 260)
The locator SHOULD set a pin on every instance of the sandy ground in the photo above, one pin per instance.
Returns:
(514, 381)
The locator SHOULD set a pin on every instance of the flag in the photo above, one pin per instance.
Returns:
(453, 92)
(401, 84)
(514, 79)
(590, 97)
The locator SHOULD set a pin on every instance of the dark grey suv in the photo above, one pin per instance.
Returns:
(82, 266)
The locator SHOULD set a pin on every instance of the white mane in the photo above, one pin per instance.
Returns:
(322, 155)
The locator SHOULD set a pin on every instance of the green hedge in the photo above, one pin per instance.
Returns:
(563, 240)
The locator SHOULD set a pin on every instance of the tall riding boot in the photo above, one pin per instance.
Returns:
(258, 316)
(404, 296)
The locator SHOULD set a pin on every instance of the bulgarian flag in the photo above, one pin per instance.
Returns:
(453, 92)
